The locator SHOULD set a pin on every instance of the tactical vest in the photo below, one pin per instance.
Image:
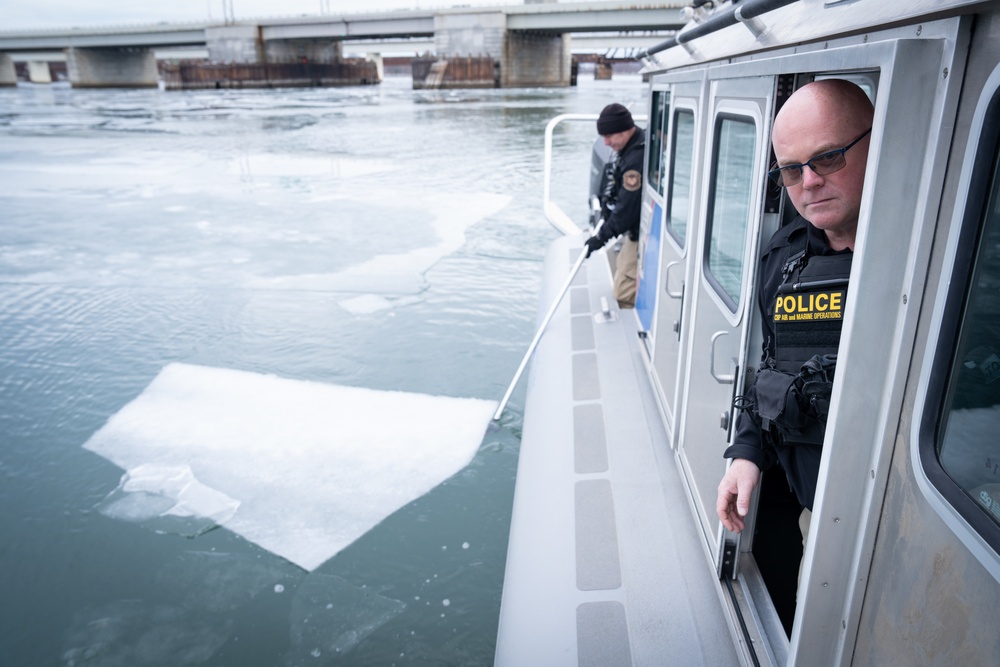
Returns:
(792, 388)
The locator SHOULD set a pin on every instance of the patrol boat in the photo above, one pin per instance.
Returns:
(616, 555)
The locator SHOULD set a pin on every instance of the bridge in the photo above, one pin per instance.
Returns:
(531, 43)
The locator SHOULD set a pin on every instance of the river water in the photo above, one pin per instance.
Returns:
(376, 237)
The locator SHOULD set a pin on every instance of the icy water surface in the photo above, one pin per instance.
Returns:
(375, 238)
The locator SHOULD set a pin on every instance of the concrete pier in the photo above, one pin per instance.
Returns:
(523, 58)
(235, 44)
(536, 60)
(8, 75)
(127, 67)
(39, 72)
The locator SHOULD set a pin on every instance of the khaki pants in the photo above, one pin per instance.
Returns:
(626, 268)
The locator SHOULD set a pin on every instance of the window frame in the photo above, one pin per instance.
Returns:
(729, 304)
(658, 111)
(966, 518)
(668, 201)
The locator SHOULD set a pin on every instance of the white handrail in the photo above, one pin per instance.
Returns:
(553, 213)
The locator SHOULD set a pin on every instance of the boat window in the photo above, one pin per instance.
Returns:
(732, 187)
(681, 160)
(973, 417)
(966, 447)
(654, 169)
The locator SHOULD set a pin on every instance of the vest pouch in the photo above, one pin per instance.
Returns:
(817, 384)
(796, 405)
(773, 397)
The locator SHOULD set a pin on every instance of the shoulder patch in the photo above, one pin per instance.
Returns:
(632, 180)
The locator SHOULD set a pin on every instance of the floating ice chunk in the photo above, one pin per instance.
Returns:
(297, 166)
(367, 303)
(217, 581)
(133, 632)
(313, 466)
(338, 627)
(372, 303)
(150, 492)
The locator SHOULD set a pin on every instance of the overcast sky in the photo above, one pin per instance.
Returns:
(26, 14)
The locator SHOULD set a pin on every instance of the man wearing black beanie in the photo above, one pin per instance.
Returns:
(620, 209)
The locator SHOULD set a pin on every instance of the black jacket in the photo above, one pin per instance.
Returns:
(800, 461)
(622, 207)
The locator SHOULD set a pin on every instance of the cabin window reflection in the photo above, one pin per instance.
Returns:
(969, 449)
(661, 100)
(732, 180)
(679, 197)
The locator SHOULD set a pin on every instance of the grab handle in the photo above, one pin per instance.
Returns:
(721, 379)
(666, 282)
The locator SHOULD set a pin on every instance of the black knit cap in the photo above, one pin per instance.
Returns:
(614, 118)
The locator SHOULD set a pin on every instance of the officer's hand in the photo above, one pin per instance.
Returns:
(593, 245)
(735, 490)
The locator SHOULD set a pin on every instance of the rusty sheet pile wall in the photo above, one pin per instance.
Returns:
(465, 72)
(198, 75)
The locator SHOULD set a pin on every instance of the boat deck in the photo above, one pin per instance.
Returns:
(605, 567)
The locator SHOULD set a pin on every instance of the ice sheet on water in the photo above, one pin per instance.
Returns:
(373, 303)
(297, 166)
(402, 273)
(330, 616)
(221, 582)
(313, 466)
(134, 633)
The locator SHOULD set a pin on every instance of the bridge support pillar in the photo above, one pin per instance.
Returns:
(603, 70)
(39, 72)
(536, 60)
(304, 50)
(523, 59)
(111, 67)
(243, 44)
(235, 44)
(8, 75)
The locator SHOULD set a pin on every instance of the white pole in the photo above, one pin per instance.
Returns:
(541, 328)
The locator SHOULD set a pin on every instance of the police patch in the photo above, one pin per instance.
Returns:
(632, 180)
(810, 307)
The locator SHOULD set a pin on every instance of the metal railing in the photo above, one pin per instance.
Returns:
(553, 213)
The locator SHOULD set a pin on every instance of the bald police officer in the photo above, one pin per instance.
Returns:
(821, 137)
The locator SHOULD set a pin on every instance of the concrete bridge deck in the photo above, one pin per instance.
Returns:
(530, 42)
(578, 17)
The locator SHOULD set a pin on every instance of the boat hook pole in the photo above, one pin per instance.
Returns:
(545, 323)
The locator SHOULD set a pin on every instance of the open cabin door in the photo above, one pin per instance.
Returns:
(736, 135)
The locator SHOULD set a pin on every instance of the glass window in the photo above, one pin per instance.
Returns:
(968, 447)
(679, 198)
(732, 186)
(654, 138)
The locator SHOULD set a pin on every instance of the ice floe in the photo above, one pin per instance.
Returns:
(302, 469)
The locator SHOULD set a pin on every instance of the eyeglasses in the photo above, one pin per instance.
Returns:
(826, 163)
